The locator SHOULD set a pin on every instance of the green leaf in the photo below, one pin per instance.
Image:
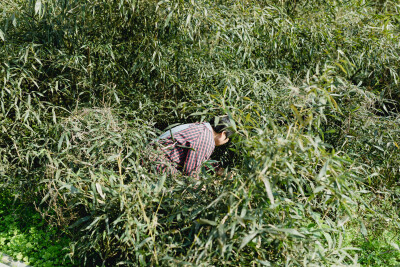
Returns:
(329, 240)
(247, 239)
(268, 189)
(290, 231)
(160, 183)
(341, 67)
(168, 19)
(80, 221)
(188, 19)
(363, 229)
(113, 157)
(395, 246)
(143, 243)
(60, 141)
(38, 6)
(205, 221)
(323, 170)
(54, 116)
(318, 189)
(100, 191)
(19, 256)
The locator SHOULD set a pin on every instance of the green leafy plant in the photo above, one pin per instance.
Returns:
(311, 85)
(24, 235)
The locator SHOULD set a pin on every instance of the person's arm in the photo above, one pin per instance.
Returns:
(199, 151)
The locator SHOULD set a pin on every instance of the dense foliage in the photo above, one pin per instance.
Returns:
(26, 237)
(313, 87)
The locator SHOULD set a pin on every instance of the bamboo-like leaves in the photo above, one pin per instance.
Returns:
(311, 89)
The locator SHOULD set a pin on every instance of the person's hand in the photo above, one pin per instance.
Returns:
(220, 172)
(230, 175)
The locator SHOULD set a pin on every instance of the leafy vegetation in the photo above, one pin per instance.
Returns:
(377, 241)
(313, 89)
(25, 236)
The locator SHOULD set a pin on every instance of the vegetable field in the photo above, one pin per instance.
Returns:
(311, 175)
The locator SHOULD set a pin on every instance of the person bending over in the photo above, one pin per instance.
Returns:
(184, 148)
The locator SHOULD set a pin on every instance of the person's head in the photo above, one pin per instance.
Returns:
(222, 128)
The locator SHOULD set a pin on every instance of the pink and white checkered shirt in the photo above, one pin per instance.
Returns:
(188, 149)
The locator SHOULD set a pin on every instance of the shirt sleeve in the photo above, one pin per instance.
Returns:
(199, 151)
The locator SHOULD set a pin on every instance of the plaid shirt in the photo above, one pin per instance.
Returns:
(188, 149)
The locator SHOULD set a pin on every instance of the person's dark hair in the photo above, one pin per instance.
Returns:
(222, 124)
